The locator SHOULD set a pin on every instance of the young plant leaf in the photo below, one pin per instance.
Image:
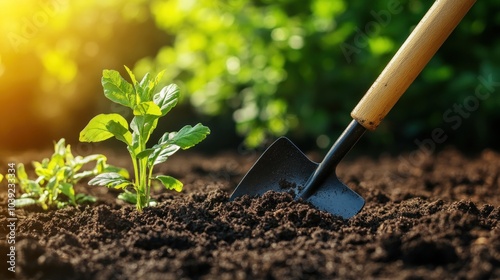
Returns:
(62, 172)
(170, 182)
(153, 83)
(84, 174)
(57, 176)
(55, 161)
(146, 80)
(161, 154)
(145, 153)
(128, 197)
(52, 187)
(84, 160)
(98, 129)
(60, 147)
(118, 89)
(42, 200)
(25, 201)
(83, 198)
(120, 131)
(113, 169)
(67, 189)
(144, 90)
(142, 126)
(147, 108)
(28, 186)
(21, 172)
(42, 171)
(132, 76)
(189, 136)
(110, 180)
(167, 98)
(165, 138)
(148, 85)
(68, 156)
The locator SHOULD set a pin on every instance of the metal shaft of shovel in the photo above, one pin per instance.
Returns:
(342, 146)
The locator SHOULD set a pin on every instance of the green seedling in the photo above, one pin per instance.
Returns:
(147, 106)
(57, 176)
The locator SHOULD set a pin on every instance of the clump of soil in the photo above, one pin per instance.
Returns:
(437, 219)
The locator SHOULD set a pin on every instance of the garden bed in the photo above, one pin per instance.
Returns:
(436, 220)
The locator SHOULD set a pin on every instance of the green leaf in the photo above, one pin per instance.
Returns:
(128, 197)
(148, 86)
(83, 198)
(21, 172)
(162, 153)
(51, 187)
(110, 180)
(189, 136)
(170, 182)
(67, 189)
(61, 204)
(120, 131)
(167, 98)
(113, 169)
(44, 172)
(55, 162)
(158, 77)
(26, 201)
(60, 147)
(75, 167)
(146, 80)
(105, 126)
(145, 153)
(27, 185)
(43, 199)
(87, 159)
(132, 76)
(137, 87)
(100, 165)
(165, 138)
(142, 126)
(43, 164)
(118, 89)
(144, 89)
(147, 108)
(32, 186)
(63, 173)
(83, 174)
(68, 156)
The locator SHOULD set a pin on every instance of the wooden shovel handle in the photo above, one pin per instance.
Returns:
(408, 62)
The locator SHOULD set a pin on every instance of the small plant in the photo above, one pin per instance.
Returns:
(57, 176)
(147, 107)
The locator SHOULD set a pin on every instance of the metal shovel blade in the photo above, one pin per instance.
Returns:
(284, 168)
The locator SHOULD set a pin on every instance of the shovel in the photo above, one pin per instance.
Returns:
(284, 168)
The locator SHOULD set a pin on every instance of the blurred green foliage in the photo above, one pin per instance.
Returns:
(299, 67)
(266, 67)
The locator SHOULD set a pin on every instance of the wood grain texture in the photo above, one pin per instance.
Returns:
(408, 62)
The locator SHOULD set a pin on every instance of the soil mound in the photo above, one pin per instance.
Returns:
(435, 219)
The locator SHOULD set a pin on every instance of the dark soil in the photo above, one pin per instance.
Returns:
(438, 219)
